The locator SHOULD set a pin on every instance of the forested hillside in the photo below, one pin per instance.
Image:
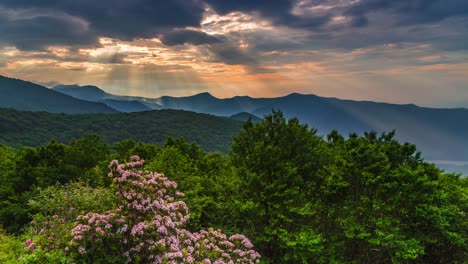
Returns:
(300, 198)
(212, 133)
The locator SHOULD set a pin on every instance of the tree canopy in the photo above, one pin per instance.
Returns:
(299, 197)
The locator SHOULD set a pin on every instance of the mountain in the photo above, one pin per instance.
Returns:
(244, 116)
(24, 95)
(121, 103)
(213, 133)
(441, 134)
(126, 106)
(207, 103)
(200, 103)
(87, 92)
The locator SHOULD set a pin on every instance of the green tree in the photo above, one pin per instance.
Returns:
(201, 176)
(87, 151)
(279, 162)
(381, 203)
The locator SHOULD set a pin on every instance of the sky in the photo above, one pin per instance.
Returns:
(397, 51)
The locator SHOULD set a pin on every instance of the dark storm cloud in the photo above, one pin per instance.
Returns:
(278, 11)
(50, 22)
(408, 12)
(268, 8)
(360, 21)
(180, 37)
(81, 22)
(123, 19)
(413, 11)
(232, 55)
(39, 32)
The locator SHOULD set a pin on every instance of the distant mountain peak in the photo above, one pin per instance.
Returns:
(242, 97)
(244, 116)
(76, 87)
(300, 95)
(86, 92)
(204, 94)
(24, 95)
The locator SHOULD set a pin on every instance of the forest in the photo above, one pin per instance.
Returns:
(26, 128)
(281, 194)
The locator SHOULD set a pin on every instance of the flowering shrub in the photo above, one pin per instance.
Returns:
(46, 238)
(147, 226)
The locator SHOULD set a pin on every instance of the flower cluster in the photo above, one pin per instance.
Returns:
(212, 246)
(147, 226)
(47, 233)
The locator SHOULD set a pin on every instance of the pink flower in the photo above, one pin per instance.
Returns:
(81, 250)
(149, 209)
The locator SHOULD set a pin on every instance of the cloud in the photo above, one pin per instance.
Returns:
(33, 25)
(307, 41)
(50, 21)
(123, 19)
(185, 36)
(231, 55)
(113, 58)
(278, 11)
(39, 32)
(412, 11)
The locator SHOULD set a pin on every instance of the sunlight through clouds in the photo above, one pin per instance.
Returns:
(347, 49)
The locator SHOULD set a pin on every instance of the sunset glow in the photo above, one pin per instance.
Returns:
(363, 50)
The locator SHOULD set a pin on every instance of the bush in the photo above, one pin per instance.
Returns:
(147, 226)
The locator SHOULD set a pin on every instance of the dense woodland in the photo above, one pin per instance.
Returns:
(25, 128)
(299, 197)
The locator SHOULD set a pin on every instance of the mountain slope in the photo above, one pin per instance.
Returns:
(126, 106)
(88, 92)
(212, 133)
(244, 116)
(440, 133)
(24, 95)
(121, 103)
(207, 103)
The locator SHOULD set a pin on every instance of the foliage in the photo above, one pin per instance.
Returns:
(205, 178)
(278, 162)
(387, 204)
(146, 226)
(58, 207)
(212, 133)
(301, 198)
(363, 199)
(11, 248)
(33, 168)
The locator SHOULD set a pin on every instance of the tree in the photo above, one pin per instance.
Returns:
(205, 178)
(279, 164)
(381, 203)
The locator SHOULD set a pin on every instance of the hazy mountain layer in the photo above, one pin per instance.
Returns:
(24, 95)
(440, 133)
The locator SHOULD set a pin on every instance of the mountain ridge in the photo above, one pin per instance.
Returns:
(422, 126)
(24, 95)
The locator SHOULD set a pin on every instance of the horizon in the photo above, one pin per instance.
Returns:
(398, 52)
(209, 93)
(221, 98)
